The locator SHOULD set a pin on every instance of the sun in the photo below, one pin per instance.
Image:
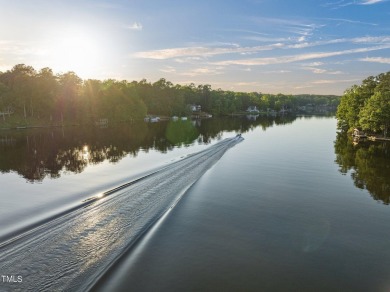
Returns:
(76, 51)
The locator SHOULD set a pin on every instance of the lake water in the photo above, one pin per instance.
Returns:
(293, 207)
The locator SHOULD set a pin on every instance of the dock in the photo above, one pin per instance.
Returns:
(374, 138)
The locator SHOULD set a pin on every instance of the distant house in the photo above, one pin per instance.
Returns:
(358, 133)
(195, 107)
(152, 119)
(252, 109)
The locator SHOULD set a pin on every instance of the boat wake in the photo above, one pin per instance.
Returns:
(72, 250)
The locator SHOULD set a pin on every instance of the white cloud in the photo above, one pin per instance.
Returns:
(350, 21)
(135, 26)
(333, 81)
(266, 39)
(313, 68)
(168, 69)
(314, 64)
(204, 71)
(369, 39)
(296, 58)
(188, 59)
(303, 86)
(202, 51)
(315, 44)
(316, 70)
(255, 84)
(370, 2)
(322, 71)
(337, 4)
(343, 3)
(376, 60)
(196, 53)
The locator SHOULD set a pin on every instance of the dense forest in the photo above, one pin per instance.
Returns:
(30, 97)
(366, 106)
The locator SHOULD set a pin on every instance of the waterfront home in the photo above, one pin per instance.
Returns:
(152, 119)
(195, 107)
(253, 109)
(358, 133)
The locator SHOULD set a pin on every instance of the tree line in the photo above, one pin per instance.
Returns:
(366, 106)
(28, 96)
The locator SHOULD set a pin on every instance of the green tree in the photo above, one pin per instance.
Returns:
(353, 101)
(68, 100)
(20, 82)
(46, 89)
(375, 115)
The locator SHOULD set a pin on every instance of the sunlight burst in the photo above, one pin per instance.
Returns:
(76, 52)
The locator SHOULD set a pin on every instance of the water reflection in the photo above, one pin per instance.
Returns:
(181, 132)
(39, 153)
(368, 163)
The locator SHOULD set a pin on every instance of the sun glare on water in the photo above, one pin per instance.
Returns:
(76, 52)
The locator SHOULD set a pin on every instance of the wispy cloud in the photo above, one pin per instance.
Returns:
(267, 39)
(315, 44)
(168, 69)
(314, 64)
(202, 54)
(300, 27)
(322, 71)
(333, 81)
(204, 71)
(376, 60)
(370, 2)
(344, 3)
(320, 83)
(296, 58)
(254, 84)
(135, 26)
(202, 51)
(372, 40)
(351, 21)
(358, 40)
(314, 68)
(338, 4)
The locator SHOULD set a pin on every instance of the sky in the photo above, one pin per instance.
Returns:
(268, 46)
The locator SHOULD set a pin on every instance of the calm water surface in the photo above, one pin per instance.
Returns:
(294, 207)
(275, 214)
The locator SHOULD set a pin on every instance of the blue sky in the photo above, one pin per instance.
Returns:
(269, 46)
